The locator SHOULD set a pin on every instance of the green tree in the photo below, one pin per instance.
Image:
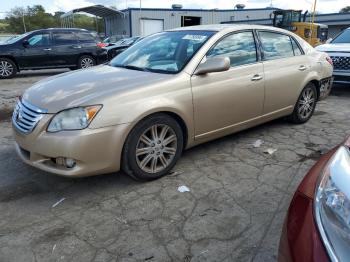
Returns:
(34, 17)
(345, 10)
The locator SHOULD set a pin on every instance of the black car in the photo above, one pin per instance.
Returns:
(50, 48)
(115, 49)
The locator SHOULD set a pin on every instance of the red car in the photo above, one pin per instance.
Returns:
(317, 226)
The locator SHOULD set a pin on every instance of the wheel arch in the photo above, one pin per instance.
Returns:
(171, 113)
(318, 87)
(12, 59)
(86, 54)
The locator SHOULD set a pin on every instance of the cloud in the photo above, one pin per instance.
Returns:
(67, 5)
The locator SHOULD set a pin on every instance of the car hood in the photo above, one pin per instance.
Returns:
(334, 47)
(87, 87)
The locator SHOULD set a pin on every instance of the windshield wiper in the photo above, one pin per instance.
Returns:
(133, 67)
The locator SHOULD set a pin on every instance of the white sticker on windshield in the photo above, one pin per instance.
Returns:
(199, 38)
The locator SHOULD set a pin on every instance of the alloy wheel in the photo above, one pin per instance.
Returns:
(306, 103)
(6, 68)
(87, 62)
(156, 148)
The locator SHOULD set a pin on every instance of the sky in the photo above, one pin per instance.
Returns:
(323, 6)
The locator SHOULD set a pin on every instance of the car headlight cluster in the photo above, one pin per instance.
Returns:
(73, 119)
(332, 205)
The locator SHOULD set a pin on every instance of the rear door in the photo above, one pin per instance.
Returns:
(66, 48)
(37, 53)
(286, 68)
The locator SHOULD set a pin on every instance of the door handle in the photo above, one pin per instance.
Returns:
(256, 77)
(77, 47)
(47, 49)
(302, 68)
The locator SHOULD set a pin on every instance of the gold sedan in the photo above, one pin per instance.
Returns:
(170, 91)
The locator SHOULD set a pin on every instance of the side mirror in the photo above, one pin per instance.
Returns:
(25, 43)
(329, 40)
(213, 64)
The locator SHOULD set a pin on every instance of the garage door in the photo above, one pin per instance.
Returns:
(151, 26)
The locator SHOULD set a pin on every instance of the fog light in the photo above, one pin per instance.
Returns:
(66, 162)
(70, 163)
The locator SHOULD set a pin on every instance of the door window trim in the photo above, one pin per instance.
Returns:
(281, 33)
(258, 57)
(40, 33)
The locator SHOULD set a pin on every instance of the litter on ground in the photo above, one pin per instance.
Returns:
(258, 143)
(183, 189)
(270, 151)
(59, 202)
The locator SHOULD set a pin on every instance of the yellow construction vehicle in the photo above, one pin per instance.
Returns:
(293, 20)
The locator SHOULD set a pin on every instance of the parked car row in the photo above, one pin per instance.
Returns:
(57, 48)
(50, 48)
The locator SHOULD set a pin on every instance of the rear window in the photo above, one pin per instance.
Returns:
(297, 50)
(86, 37)
(275, 45)
(64, 38)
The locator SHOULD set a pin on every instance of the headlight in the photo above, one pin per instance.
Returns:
(73, 119)
(332, 206)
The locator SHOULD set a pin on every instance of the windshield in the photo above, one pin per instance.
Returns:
(344, 37)
(16, 38)
(166, 52)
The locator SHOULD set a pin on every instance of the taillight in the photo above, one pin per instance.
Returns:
(101, 45)
(329, 60)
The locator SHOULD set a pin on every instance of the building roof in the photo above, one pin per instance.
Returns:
(97, 10)
(221, 27)
(199, 10)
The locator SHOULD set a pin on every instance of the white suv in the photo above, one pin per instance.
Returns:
(339, 50)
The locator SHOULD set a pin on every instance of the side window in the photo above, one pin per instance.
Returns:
(296, 47)
(239, 47)
(275, 45)
(64, 38)
(39, 40)
(86, 37)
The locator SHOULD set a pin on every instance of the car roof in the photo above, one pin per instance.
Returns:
(62, 29)
(227, 27)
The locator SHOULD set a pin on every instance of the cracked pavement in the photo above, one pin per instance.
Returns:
(234, 211)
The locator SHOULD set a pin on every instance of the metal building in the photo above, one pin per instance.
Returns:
(145, 21)
(336, 22)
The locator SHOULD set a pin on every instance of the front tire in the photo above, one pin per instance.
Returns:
(8, 68)
(86, 61)
(152, 148)
(305, 106)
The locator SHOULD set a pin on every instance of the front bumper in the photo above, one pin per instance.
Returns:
(300, 239)
(341, 77)
(96, 151)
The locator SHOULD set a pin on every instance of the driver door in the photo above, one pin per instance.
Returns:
(37, 52)
(226, 101)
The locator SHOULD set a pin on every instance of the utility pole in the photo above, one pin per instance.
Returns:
(24, 24)
(312, 21)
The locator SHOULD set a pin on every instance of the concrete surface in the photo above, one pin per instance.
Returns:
(234, 211)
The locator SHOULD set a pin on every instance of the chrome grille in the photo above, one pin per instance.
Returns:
(26, 116)
(341, 62)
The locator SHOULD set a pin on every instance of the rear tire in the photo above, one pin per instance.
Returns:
(86, 61)
(305, 106)
(8, 68)
(152, 148)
